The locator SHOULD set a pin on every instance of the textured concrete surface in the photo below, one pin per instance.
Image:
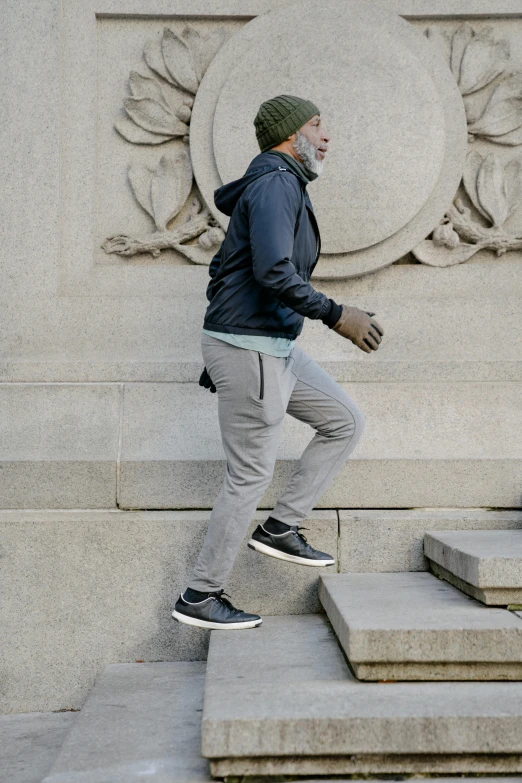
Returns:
(158, 337)
(263, 716)
(413, 627)
(106, 583)
(393, 540)
(360, 483)
(158, 445)
(29, 744)
(342, 370)
(171, 438)
(177, 422)
(486, 563)
(59, 445)
(140, 721)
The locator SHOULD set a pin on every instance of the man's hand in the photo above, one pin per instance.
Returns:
(357, 325)
(205, 380)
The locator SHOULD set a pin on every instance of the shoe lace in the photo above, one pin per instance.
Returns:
(219, 597)
(301, 536)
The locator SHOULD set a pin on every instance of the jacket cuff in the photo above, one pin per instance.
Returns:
(333, 314)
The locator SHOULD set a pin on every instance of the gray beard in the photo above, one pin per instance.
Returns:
(307, 152)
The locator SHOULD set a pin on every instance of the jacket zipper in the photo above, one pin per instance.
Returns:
(261, 376)
(318, 242)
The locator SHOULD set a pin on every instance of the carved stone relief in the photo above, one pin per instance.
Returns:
(495, 190)
(478, 61)
(398, 156)
(492, 95)
(395, 113)
(159, 111)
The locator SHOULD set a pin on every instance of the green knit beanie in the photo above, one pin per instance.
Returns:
(281, 116)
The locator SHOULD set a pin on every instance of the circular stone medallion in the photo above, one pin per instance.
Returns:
(392, 109)
(379, 105)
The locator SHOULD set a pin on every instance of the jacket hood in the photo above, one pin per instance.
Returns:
(227, 196)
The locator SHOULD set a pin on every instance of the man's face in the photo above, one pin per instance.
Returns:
(315, 131)
(310, 144)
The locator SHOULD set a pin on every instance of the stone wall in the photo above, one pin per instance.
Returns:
(122, 118)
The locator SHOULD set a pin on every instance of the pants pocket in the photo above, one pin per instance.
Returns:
(271, 373)
(261, 376)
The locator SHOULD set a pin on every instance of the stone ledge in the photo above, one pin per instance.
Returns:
(373, 763)
(413, 627)
(490, 597)
(360, 483)
(486, 564)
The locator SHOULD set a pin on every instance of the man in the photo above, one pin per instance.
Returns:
(259, 295)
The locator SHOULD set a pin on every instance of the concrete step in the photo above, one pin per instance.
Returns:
(280, 699)
(158, 445)
(123, 571)
(412, 626)
(140, 560)
(172, 455)
(486, 564)
(139, 722)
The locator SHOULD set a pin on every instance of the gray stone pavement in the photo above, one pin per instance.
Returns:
(29, 744)
(140, 721)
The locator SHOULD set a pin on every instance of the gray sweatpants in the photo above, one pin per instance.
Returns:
(254, 392)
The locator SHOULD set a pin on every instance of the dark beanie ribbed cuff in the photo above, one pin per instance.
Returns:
(281, 116)
(278, 133)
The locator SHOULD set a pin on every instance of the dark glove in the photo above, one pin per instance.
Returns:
(359, 327)
(205, 380)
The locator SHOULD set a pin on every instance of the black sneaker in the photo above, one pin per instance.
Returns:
(214, 612)
(291, 546)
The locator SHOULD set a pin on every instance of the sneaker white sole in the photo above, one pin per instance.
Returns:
(182, 618)
(267, 550)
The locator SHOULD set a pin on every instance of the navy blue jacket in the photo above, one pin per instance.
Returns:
(259, 276)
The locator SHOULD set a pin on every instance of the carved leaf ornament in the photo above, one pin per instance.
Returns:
(162, 191)
(157, 111)
(478, 61)
(495, 191)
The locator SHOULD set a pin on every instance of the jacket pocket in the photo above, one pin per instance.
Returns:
(261, 376)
